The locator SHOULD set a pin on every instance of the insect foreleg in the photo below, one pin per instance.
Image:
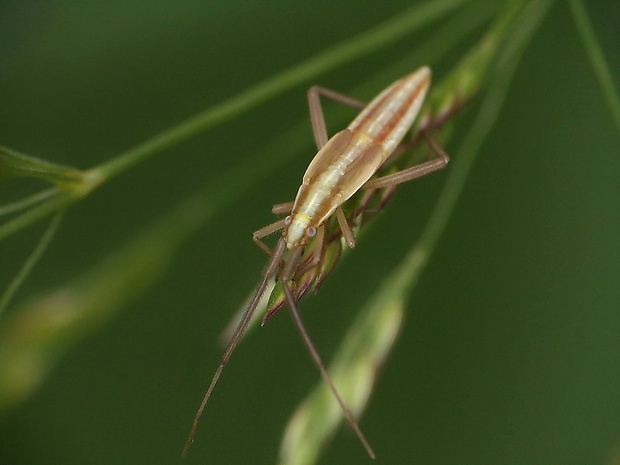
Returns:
(318, 245)
(265, 231)
(282, 208)
(345, 228)
(316, 110)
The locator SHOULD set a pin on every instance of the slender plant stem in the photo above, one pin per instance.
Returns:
(368, 42)
(597, 60)
(363, 44)
(47, 208)
(27, 201)
(357, 360)
(20, 164)
(30, 262)
(488, 114)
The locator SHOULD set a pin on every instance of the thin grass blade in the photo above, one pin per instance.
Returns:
(373, 333)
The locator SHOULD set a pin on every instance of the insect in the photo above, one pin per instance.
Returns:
(343, 165)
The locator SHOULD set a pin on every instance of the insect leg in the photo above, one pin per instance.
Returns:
(318, 246)
(265, 231)
(282, 208)
(414, 172)
(345, 228)
(316, 110)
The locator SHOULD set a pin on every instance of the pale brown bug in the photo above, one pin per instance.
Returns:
(343, 165)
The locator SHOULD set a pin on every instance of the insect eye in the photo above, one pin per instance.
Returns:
(311, 231)
(287, 220)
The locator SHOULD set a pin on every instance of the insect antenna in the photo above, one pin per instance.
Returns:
(314, 354)
(268, 272)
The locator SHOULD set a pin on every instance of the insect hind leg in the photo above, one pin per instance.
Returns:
(317, 119)
(417, 171)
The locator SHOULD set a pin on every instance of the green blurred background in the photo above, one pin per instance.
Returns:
(511, 351)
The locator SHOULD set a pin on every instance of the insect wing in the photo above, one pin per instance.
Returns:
(327, 154)
(360, 171)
